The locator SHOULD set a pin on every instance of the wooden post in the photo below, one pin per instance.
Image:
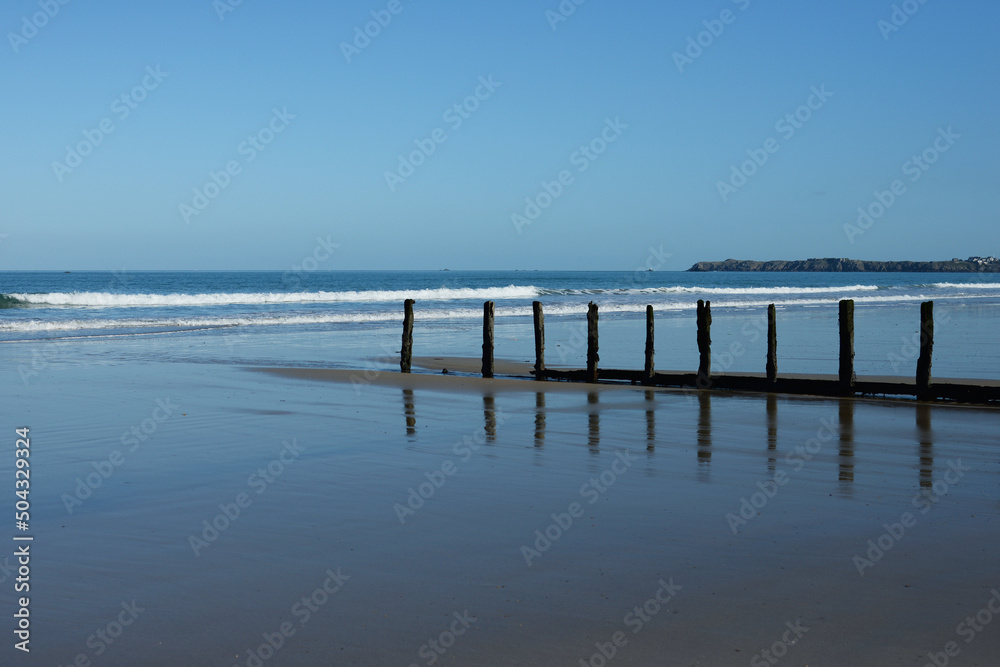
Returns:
(772, 345)
(648, 372)
(926, 351)
(536, 308)
(488, 310)
(406, 351)
(592, 356)
(704, 344)
(846, 319)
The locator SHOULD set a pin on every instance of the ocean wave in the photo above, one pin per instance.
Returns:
(733, 291)
(966, 285)
(175, 324)
(757, 290)
(109, 300)
(8, 301)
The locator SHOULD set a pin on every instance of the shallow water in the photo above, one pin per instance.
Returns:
(346, 318)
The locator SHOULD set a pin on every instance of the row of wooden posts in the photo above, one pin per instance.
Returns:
(847, 383)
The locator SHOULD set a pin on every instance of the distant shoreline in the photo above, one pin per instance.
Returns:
(840, 265)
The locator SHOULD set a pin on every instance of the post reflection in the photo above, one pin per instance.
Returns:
(704, 428)
(772, 432)
(593, 421)
(926, 439)
(651, 420)
(410, 413)
(539, 419)
(490, 417)
(846, 451)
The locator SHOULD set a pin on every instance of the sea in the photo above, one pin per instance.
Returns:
(353, 319)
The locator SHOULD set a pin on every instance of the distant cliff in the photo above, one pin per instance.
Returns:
(971, 265)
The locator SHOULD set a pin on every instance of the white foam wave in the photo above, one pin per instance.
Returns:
(966, 285)
(187, 323)
(108, 300)
(732, 291)
(755, 290)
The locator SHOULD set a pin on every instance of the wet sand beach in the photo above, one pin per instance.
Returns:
(370, 518)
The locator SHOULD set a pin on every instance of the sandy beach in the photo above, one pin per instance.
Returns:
(245, 516)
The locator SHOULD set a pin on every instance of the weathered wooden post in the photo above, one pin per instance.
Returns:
(648, 371)
(846, 319)
(772, 344)
(704, 343)
(592, 356)
(926, 351)
(406, 351)
(488, 311)
(539, 317)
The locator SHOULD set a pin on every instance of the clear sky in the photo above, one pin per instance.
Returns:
(312, 133)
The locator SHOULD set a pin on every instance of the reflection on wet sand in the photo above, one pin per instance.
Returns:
(539, 419)
(926, 436)
(490, 417)
(593, 422)
(772, 432)
(651, 420)
(846, 452)
(846, 441)
(410, 413)
(705, 428)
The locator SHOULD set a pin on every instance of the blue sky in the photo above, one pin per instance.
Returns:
(207, 88)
